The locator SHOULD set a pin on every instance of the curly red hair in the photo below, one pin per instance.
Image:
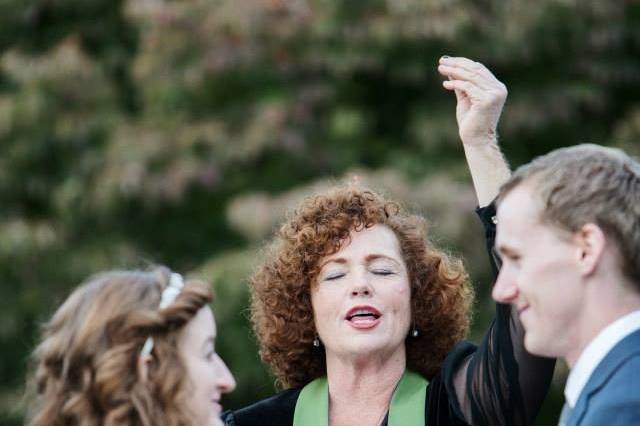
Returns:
(281, 309)
(86, 365)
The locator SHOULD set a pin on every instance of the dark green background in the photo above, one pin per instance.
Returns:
(179, 132)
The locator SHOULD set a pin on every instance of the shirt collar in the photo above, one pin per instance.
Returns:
(595, 352)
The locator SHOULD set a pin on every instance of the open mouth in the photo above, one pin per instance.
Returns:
(363, 315)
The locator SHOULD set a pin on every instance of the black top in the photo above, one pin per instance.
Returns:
(504, 384)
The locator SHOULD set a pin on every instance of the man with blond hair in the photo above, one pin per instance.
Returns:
(568, 234)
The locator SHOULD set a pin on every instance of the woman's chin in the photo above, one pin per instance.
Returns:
(363, 347)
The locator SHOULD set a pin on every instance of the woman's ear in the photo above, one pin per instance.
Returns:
(143, 368)
(591, 244)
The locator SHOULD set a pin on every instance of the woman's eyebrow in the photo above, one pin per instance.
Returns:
(339, 260)
(372, 257)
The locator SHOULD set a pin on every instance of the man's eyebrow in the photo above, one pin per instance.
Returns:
(505, 249)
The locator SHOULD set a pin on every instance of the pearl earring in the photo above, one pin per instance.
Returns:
(316, 342)
(414, 332)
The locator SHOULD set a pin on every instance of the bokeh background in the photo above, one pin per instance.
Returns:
(180, 132)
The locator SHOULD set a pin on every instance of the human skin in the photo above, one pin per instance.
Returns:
(367, 271)
(356, 387)
(208, 375)
(367, 275)
(480, 98)
(566, 286)
(540, 275)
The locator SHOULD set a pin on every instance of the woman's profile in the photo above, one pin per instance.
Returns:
(131, 348)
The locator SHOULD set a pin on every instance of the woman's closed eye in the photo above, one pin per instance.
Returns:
(334, 276)
(209, 349)
(382, 271)
(382, 267)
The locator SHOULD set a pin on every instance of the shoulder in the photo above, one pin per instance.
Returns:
(623, 382)
(617, 401)
(456, 358)
(619, 371)
(442, 401)
(275, 410)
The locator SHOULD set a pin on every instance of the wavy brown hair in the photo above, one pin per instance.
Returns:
(86, 365)
(281, 309)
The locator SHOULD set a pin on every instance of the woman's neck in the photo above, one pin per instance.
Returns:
(360, 388)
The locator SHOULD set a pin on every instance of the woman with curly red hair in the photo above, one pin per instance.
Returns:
(131, 348)
(361, 318)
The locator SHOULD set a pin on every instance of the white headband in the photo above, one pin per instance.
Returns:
(169, 295)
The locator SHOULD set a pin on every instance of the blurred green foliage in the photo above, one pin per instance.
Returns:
(180, 132)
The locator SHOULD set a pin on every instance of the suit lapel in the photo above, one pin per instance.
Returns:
(625, 349)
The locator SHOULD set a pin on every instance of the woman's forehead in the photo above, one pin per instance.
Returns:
(201, 327)
(372, 242)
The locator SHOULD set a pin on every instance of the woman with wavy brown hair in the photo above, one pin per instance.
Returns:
(131, 348)
(361, 318)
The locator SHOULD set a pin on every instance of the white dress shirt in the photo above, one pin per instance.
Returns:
(595, 352)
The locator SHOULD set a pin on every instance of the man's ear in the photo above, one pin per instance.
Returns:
(591, 242)
(143, 367)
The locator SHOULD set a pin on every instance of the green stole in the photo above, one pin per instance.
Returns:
(407, 404)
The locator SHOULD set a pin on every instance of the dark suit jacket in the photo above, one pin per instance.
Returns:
(611, 397)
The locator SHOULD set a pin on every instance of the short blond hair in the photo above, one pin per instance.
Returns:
(589, 184)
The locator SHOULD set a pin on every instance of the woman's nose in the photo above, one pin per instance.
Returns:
(360, 291)
(226, 382)
(362, 286)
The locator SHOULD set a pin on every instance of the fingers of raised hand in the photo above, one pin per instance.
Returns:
(480, 97)
(459, 73)
(468, 64)
(473, 69)
(465, 87)
(464, 69)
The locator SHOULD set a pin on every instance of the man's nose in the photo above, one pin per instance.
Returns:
(505, 289)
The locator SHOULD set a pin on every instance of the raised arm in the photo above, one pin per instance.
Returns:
(499, 383)
(480, 97)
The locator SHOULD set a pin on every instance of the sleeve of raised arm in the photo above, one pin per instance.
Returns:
(500, 383)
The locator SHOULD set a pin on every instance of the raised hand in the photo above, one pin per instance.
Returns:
(480, 96)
